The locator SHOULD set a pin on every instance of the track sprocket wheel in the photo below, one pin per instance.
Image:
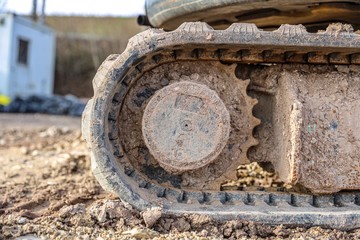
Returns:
(157, 165)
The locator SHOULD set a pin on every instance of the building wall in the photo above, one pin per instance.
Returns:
(37, 75)
(6, 26)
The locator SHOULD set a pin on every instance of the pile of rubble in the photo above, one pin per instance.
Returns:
(56, 105)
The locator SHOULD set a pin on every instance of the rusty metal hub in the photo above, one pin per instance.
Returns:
(185, 126)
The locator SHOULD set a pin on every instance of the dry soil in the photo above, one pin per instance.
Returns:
(47, 191)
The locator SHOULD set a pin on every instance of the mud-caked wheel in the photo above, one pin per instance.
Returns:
(180, 126)
(185, 126)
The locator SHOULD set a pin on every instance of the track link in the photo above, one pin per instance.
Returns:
(197, 41)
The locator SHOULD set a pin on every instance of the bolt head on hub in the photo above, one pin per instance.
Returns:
(185, 126)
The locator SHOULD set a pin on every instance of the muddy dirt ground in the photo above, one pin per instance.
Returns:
(47, 191)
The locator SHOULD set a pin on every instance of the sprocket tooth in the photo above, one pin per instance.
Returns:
(291, 30)
(245, 86)
(251, 140)
(254, 142)
(257, 121)
(254, 101)
(254, 121)
(195, 27)
(243, 28)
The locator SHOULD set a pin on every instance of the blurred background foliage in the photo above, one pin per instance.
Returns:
(82, 44)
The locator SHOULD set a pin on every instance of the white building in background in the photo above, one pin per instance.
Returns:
(27, 57)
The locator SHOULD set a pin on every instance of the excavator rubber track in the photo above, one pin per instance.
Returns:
(238, 44)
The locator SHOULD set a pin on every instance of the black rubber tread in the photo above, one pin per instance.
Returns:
(194, 41)
(169, 14)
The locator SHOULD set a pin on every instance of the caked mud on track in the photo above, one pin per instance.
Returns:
(291, 96)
